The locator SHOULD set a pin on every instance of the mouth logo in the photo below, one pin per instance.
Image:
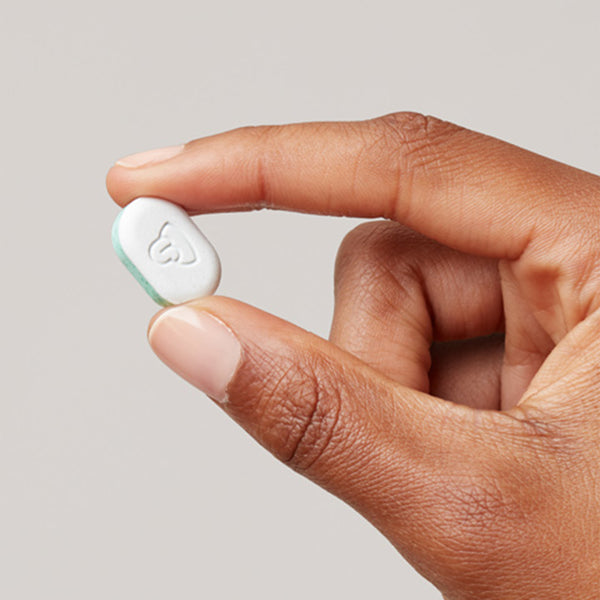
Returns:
(171, 246)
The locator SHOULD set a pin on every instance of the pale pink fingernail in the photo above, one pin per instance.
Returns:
(149, 157)
(197, 346)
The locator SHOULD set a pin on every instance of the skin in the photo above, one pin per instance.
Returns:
(456, 403)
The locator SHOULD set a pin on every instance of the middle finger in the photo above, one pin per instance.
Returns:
(397, 293)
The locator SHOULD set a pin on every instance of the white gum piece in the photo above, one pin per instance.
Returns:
(165, 251)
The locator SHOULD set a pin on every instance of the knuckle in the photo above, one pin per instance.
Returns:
(364, 245)
(409, 125)
(377, 266)
(414, 133)
(412, 146)
(560, 268)
(305, 402)
(379, 245)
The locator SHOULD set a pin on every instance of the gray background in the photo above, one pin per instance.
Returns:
(118, 480)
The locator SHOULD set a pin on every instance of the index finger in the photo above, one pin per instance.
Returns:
(464, 189)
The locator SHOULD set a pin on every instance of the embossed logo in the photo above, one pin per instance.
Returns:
(171, 246)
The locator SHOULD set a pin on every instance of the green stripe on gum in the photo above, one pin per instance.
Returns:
(116, 242)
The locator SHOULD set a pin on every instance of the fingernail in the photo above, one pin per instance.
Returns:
(197, 346)
(150, 156)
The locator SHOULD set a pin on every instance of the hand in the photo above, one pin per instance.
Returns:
(457, 403)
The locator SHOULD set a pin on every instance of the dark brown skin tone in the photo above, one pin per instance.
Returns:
(457, 403)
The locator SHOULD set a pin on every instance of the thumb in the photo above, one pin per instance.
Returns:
(389, 451)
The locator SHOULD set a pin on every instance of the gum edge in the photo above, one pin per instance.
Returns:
(116, 242)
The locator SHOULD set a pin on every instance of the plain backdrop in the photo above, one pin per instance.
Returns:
(117, 479)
